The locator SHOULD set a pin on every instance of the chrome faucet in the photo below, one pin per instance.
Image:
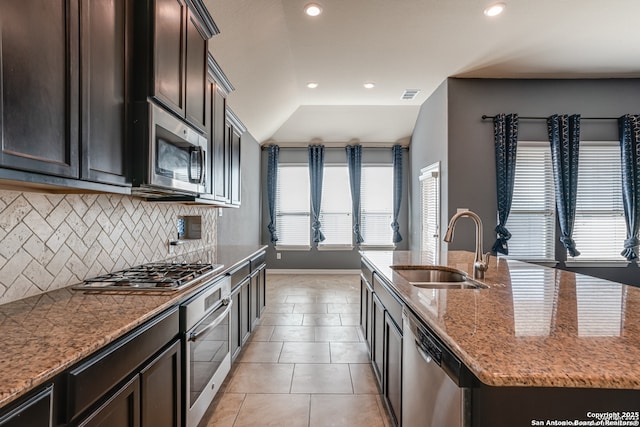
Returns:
(481, 263)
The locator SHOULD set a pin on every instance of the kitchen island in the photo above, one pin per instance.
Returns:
(534, 335)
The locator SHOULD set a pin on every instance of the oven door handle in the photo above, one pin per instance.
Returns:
(193, 336)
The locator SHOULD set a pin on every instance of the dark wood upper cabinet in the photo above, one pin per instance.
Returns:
(220, 147)
(105, 50)
(178, 32)
(235, 175)
(39, 87)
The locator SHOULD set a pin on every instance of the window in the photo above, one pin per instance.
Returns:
(532, 221)
(293, 207)
(599, 229)
(376, 205)
(430, 186)
(335, 210)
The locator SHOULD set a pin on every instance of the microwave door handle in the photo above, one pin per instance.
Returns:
(195, 335)
(203, 160)
(196, 155)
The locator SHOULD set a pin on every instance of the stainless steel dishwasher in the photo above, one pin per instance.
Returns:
(435, 383)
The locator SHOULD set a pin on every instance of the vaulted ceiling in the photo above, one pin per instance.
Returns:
(270, 50)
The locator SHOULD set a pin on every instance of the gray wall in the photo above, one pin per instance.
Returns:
(241, 226)
(471, 163)
(326, 259)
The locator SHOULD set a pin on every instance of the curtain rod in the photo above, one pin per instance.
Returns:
(484, 117)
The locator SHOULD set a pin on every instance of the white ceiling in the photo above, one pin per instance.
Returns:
(269, 50)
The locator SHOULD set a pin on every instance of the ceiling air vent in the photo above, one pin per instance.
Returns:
(410, 93)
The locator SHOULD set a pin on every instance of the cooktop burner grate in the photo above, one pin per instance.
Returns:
(152, 276)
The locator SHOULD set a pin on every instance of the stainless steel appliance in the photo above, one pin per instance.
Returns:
(171, 157)
(435, 383)
(157, 276)
(205, 324)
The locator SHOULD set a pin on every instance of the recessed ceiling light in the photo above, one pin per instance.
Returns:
(312, 85)
(495, 9)
(369, 85)
(313, 9)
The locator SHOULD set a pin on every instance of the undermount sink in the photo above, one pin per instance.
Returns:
(436, 277)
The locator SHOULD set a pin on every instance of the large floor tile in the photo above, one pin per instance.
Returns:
(321, 320)
(223, 411)
(322, 378)
(337, 333)
(334, 299)
(349, 319)
(261, 378)
(274, 319)
(301, 299)
(305, 352)
(343, 308)
(275, 410)
(262, 333)
(261, 352)
(345, 411)
(279, 308)
(293, 333)
(349, 352)
(310, 308)
(363, 379)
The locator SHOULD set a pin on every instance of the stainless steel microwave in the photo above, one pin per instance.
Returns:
(170, 158)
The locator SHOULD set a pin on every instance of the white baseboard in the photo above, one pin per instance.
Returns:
(310, 271)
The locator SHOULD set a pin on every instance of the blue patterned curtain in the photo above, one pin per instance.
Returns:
(316, 171)
(354, 162)
(397, 191)
(505, 134)
(272, 185)
(630, 156)
(564, 136)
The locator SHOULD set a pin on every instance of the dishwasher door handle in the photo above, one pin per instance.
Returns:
(427, 358)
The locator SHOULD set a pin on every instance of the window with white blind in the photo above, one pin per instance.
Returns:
(376, 205)
(335, 210)
(599, 229)
(293, 207)
(532, 221)
(430, 188)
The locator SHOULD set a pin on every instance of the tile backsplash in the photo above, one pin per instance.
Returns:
(52, 241)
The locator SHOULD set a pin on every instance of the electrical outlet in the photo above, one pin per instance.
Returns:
(278, 255)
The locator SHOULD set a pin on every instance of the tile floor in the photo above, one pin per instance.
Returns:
(306, 363)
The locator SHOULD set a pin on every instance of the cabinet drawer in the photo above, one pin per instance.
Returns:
(92, 379)
(257, 261)
(390, 301)
(239, 274)
(367, 271)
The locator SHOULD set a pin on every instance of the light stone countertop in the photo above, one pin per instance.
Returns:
(534, 326)
(45, 334)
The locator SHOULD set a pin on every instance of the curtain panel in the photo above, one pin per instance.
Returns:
(316, 171)
(397, 191)
(564, 136)
(505, 134)
(272, 186)
(630, 162)
(354, 163)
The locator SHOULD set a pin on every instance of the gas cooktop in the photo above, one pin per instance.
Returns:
(152, 277)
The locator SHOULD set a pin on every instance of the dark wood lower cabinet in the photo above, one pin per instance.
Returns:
(161, 402)
(393, 367)
(377, 352)
(245, 310)
(236, 342)
(121, 410)
(34, 411)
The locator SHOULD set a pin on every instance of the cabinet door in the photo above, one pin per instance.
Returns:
(220, 156)
(122, 409)
(169, 53)
(34, 412)
(38, 93)
(393, 368)
(364, 305)
(235, 175)
(105, 35)
(196, 74)
(253, 300)
(245, 311)
(262, 290)
(378, 333)
(235, 325)
(160, 389)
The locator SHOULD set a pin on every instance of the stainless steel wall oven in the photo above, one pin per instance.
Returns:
(205, 324)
